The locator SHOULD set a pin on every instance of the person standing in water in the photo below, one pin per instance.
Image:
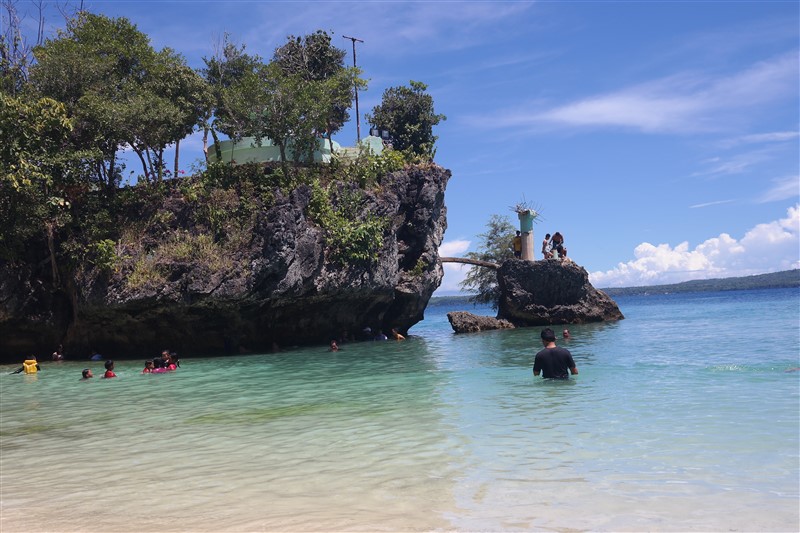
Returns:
(553, 362)
(58, 355)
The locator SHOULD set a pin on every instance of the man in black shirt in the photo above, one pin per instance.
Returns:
(553, 362)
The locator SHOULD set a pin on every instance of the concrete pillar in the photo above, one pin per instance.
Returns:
(526, 228)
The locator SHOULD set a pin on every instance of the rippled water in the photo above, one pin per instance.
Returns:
(684, 417)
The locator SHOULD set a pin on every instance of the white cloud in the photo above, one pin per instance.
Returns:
(783, 189)
(390, 28)
(682, 103)
(736, 164)
(453, 248)
(760, 138)
(707, 204)
(769, 247)
(454, 273)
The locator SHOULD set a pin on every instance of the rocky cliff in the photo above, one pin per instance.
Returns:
(540, 293)
(283, 288)
(551, 292)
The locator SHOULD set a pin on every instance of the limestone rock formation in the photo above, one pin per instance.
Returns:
(465, 322)
(541, 293)
(537, 293)
(283, 290)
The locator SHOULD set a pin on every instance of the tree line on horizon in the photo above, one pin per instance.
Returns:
(773, 280)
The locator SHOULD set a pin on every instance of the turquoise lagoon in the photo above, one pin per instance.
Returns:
(685, 417)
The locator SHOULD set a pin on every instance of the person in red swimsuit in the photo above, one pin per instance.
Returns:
(109, 370)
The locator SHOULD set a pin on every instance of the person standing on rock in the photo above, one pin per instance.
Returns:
(546, 247)
(516, 244)
(553, 362)
(558, 245)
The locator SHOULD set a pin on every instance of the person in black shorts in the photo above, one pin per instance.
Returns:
(553, 362)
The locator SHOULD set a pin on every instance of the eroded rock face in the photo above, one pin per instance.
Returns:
(538, 293)
(283, 290)
(465, 322)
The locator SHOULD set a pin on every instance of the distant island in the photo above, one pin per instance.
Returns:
(774, 280)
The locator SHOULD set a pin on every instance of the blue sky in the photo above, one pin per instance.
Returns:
(661, 138)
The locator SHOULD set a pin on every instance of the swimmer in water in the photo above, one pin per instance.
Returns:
(109, 370)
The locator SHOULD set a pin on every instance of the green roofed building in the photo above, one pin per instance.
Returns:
(249, 150)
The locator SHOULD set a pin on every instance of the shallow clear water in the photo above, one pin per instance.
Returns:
(685, 416)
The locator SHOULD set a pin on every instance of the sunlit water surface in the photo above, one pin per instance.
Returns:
(684, 417)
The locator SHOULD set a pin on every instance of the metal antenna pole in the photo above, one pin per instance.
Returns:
(355, 88)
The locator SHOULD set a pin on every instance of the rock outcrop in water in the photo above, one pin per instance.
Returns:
(283, 290)
(466, 322)
(541, 293)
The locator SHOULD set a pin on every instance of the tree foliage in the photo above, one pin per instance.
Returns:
(39, 175)
(299, 96)
(15, 53)
(232, 76)
(495, 247)
(119, 91)
(163, 109)
(315, 59)
(352, 235)
(407, 114)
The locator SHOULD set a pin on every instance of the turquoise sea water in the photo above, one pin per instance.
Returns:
(685, 417)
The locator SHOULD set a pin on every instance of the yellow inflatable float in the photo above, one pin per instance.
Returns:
(30, 366)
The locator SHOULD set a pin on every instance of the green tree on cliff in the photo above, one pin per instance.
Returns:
(315, 59)
(163, 109)
(119, 91)
(38, 175)
(302, 94)
(232, 75)
(407, 114)
(495, 247)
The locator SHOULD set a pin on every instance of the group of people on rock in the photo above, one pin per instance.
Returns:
(554, 245)
(550, 246)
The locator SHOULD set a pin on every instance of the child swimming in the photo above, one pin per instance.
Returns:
(109, 370)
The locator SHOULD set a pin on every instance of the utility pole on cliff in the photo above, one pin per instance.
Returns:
(355, 88)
